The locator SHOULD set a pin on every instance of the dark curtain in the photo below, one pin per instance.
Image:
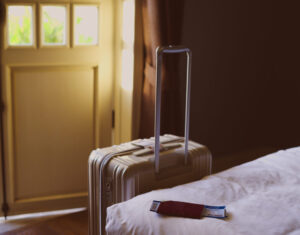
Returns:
(162, 22)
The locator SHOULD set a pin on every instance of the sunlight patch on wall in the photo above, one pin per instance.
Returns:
(127, 70)
(128, 45)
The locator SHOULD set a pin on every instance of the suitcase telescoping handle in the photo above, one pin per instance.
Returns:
(159, 54)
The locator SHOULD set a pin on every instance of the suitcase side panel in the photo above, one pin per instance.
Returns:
(94, 163)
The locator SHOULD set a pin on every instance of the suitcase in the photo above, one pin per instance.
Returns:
(120, 172)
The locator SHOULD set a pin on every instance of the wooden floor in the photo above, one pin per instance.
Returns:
(71, 224)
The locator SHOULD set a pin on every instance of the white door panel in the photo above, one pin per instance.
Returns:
(53, 127)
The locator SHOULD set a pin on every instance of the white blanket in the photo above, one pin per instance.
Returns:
(261, 197)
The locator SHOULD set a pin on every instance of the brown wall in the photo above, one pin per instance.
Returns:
(245, 74)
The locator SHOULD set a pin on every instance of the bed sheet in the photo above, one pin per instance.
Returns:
(261, 197)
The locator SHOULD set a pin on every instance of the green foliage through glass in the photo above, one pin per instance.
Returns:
(83, 39)
(20, 25)
(86, 25)
(53, 28)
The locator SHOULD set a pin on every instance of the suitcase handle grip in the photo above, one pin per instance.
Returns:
(171, 49)
(159, 53)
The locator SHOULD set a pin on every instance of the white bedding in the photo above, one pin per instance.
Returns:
(261, 197)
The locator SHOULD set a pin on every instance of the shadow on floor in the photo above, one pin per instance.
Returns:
(71, 224)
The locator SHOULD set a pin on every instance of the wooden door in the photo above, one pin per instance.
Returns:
(56, 80)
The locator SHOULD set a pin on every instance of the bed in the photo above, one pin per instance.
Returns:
(261, 197)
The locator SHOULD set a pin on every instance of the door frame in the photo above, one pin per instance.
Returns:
(103, 125)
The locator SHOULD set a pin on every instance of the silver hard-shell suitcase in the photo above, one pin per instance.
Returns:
(121, 172)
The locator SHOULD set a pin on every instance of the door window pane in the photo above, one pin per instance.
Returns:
(86, 25)
(20, 29)
(54, 25)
